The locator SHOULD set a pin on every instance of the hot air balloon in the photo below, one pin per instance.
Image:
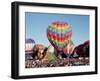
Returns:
(59, 33)
(69, 48)
(29, 43)
(50, 54)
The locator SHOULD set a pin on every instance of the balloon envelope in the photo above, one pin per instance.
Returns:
(29, 43)
(69, 48)
(59, 33)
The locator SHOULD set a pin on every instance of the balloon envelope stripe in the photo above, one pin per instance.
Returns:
(60, 30)
(60, 38)
(60, 44)
(58, 33)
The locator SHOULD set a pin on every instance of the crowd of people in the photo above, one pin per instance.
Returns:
(57, 63)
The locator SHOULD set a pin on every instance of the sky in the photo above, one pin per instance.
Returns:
(36, 25)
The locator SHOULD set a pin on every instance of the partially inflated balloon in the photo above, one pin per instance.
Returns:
(59, 33)
(69, 48)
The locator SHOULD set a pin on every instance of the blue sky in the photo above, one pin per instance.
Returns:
(37, 24)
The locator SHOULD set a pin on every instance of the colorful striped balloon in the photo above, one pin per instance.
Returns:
(69, 48)
(59, 33)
